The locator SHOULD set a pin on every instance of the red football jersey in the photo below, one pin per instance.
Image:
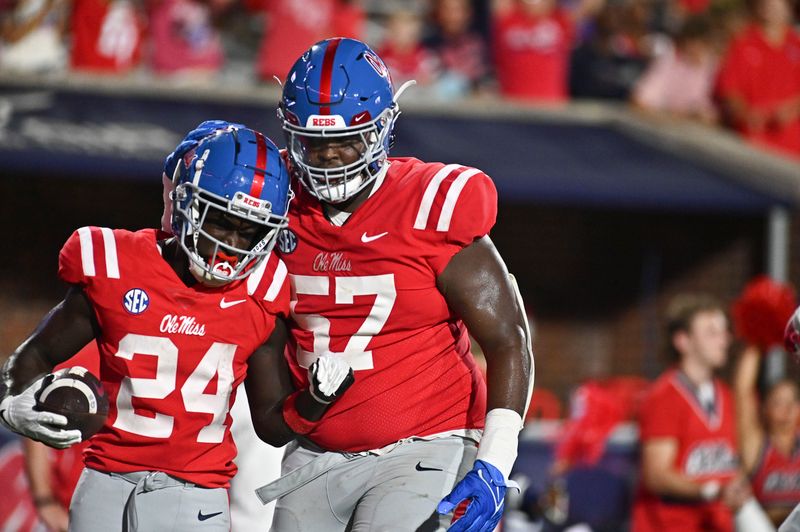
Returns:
(706, 451)
(776, 480)
(367, 291)
(171, 356)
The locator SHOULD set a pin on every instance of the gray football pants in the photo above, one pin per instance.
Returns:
(392, 492)
(145, 501)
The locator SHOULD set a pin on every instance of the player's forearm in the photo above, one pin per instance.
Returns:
(22, 368)
(62, 332)
(277, 427)
(510, 371)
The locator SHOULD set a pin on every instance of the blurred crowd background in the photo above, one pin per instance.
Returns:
(735, 63)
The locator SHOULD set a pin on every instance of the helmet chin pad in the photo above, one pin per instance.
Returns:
(204, 277)
(342, 191)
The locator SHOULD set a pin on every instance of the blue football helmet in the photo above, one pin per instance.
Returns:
(339, 90)
(236, 172)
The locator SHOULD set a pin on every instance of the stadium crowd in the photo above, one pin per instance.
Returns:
(729, 62)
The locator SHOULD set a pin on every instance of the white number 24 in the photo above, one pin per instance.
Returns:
(345, 289)
(218, 360)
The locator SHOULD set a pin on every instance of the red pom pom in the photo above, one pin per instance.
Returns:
(761, 311)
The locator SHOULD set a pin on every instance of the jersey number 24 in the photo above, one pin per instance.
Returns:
(218, 360)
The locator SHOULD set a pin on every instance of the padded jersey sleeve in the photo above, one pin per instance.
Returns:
(462, 209)
(269, 285)
(70, 268)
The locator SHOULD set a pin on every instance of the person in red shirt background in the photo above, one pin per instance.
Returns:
(106, 36)
(292, 24)
(532, 41)
(462, 52)
(185, 41)
(690, 475)
(403, 53)
(759, 81)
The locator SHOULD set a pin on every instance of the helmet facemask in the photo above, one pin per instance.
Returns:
(336, 185)
(192, 206)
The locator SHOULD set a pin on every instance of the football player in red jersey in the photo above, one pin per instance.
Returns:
(390, 264)
(179, 320)
(691, 479)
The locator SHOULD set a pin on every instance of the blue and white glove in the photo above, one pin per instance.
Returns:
(486, 487)
(17, 413)
(191, 139)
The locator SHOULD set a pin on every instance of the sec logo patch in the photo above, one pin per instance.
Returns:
(136, 301)
(287, 241)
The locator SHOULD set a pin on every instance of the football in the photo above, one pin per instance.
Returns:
(77, 395)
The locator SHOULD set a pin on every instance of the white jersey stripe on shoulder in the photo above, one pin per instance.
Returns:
(110, 244)
(254, 279)
(452, 197)
(277, 282)
(430, 194)
(87, 251)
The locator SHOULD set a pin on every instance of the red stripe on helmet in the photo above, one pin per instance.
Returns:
(261, 165)
(327, 76)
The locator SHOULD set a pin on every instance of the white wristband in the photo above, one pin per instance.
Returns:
(709, 491)
(500, 437)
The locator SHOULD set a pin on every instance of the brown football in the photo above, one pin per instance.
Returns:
(77, 395)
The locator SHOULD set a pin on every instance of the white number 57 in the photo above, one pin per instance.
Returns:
(345, 289)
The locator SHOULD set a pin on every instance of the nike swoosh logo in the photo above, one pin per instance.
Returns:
(202, 517)
(227, 304)
(420, 467)
(366, 239)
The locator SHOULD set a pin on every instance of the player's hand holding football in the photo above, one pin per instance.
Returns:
(486, 487)
(329, 377)
(18, 414)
